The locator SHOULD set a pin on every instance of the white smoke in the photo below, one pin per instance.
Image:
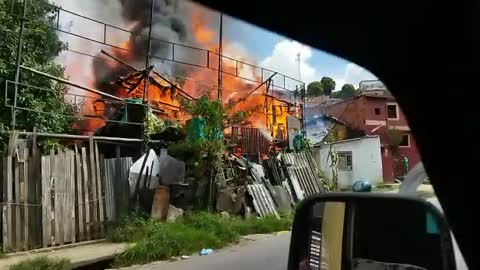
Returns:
(79, 67)
(265, 133)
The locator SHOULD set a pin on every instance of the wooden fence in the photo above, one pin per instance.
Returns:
(59, 198)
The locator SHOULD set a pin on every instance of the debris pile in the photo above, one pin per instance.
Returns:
(166, 186)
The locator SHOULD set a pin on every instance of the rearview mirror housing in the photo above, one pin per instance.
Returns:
(358, 231)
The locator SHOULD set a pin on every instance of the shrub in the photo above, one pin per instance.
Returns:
(42, 263)
(155, 240)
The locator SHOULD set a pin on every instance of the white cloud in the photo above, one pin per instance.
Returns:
(354, 74)
(284, 60)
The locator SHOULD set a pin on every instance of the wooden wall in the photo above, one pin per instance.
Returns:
(60, 198)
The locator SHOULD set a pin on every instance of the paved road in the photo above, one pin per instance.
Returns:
(269, 253)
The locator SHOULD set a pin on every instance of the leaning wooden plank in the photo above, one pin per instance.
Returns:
(17, 230)
(26, 183)
(65, 198)
(93, 185)
(99, 192)
(72, 197)
(109, 202)
(4, 227)
(61, 185)
(85, 191)
(80, 200)
(57, 166)
(35, 183)
(5, 234)
(12, 144)
(46, 197)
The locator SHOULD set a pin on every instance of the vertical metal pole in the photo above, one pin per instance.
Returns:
(302, 108)
(149, 51)
(18, 61)
(220, 58)
(146, 75)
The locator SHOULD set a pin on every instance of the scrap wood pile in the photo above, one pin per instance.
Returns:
(162, 184)
(271, 189)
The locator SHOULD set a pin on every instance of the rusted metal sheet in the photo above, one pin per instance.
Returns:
(262, 200)
(117, 188)
(251, 140)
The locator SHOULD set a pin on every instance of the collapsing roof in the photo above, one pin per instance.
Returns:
(319, 126)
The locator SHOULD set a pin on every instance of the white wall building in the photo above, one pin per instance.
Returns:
(358, 158)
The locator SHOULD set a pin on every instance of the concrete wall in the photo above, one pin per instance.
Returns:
(366, 160)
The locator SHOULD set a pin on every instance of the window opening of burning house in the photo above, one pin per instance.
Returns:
(165, 107)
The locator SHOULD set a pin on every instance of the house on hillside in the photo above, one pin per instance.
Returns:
(375, 112)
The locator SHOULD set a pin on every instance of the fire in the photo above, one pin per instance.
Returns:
(203, 34)
(274, 117)
(162, 96)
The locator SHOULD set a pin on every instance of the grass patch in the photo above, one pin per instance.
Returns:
(154, 240)
(42, 263)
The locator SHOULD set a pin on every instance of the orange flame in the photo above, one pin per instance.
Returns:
(233, 87)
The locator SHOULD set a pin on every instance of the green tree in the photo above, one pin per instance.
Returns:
(315, 89)
(328, 85)
(40, 48)
(348, 91)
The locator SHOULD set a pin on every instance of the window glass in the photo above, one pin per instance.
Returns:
(392, 111)
(345, 161)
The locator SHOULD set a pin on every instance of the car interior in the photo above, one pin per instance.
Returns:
(424, 53)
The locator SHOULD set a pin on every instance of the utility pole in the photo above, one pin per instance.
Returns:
(298, 60)
(146, 77)
(220, 40)
(148, 52)
(18, 62)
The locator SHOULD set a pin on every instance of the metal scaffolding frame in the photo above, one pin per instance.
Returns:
(210, 61)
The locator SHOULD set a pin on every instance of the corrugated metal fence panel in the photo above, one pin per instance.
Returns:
(251, 140)
(262, 200)
(117, 190)
(303, 174)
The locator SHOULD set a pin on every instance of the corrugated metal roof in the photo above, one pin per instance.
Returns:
(349, 140)
(262, 200)
(303, 174)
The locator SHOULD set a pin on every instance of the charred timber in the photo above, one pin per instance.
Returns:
(152, 80)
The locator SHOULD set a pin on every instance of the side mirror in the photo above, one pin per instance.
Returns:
(353, 231)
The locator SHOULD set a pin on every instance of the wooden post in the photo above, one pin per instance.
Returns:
(99, 191)
(17, 201)
(26, 197)
(57, 179)
(80, 204)
(72, 196)
(36, 191)
(46, 199)
(93, 184)
(85, 190)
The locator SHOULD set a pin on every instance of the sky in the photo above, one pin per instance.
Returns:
(279, 53)
(245, 41)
